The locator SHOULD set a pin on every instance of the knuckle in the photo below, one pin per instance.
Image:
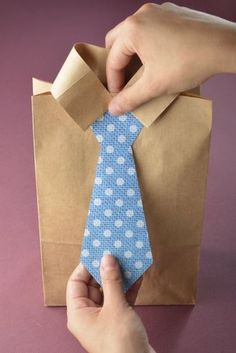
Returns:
(147, 6)
(112, 276)
(168, 5)
(107, 38)
(112, 281)
(123, 102)
(133, 28)
(131, 23)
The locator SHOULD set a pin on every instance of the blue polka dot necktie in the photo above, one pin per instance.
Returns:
(116, 222)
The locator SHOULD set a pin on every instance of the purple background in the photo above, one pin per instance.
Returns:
(35, 39)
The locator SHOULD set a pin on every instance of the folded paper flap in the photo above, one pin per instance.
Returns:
(95, 57)
(40, 86)
(80, 87)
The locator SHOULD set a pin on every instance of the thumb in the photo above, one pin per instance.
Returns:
(129, 98)
(111, 282)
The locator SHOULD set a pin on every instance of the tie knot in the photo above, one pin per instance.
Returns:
(122, 129)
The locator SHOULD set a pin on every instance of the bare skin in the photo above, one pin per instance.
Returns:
(179, 48)
(104, 322)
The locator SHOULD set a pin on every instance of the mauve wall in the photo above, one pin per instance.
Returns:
(35, 38)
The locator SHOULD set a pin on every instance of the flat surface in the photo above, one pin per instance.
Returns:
(35, 39)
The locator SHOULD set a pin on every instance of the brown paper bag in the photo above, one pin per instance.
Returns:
(171, 155)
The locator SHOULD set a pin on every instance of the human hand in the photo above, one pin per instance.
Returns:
(104, 323)
(179, 48)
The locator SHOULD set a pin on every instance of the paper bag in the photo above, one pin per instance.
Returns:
(171, 156)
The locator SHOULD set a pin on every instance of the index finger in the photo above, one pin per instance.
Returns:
(77, 288)
(118, 58)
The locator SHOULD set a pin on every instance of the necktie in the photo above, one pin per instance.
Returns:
(116, 223)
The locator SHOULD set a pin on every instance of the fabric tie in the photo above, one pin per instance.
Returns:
(116, 222)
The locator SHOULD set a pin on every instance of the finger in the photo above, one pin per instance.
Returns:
(118, 58)
(132, 292)
(112, 35)
(111, 282)
(94, 283)
(95, 291)
(133, 96)
(77, 288)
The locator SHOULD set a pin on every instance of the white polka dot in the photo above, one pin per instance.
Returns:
(130, 150)
(96, 243)
(128, 254)
(130, 192)
(88, 212)
(97, 202)
(131, 171)
(99, 160)
(119, 202)
(110, 127)
(148, 255)
(98, 181)
(99, 138)
(139, 203)
(140, 223)
(139, 244)
(108, 191)
(129, 233)
(109, 170)
(96, 222)
(85, 252)
(133, 128)
(86, 232)
(120, 160)
(127, 274)
(122, 117)
(138, 264)
(107, 233)
(121, 138)
(129, 213)
(108, 213)
(95, 263)
(118, 223)
(109, 149)
(117, 244)
(120, 181)
(106, 252)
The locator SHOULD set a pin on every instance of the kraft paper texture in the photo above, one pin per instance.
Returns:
(171, 155)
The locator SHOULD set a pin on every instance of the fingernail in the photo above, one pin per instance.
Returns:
(114, 108)
(108, 262)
